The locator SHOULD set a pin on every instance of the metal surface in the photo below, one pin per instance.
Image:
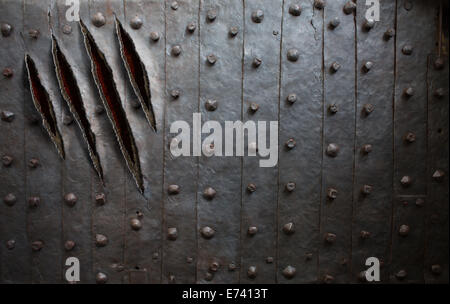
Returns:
(362, 112)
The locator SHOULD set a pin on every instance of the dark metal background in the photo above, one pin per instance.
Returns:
(232, 255)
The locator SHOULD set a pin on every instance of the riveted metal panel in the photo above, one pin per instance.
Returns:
(372, 211)
(261, 85)
(302, 121)
(222, 82)
(338, 129)
(15, 259)
(180, 210)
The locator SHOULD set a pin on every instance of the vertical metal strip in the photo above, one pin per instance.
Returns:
(300, 120)
(261, 86)
(338, 144)
(180, 181)
(372, 201)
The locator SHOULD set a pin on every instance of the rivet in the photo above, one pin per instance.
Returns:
(410, 137)
(252, 230)
(33, 163)
(10, 199)
(135, 224)
(136, 23)
(408, 92)
(211, 105)
(408, 5)
(438, 175)
(37, 245)
(349, 7)
(8, 72)
(368, 24)
(232, 266)
(100, 198)
(290, 143)
(439, 93)
(7, 160)
(101, 240)
(407, 49)
(172, 233)
(70, 199)
(362, 276)
(308, 256)
(191, 27)
(258, 16)
(289, 272)
(253, 107)
(66, 29)
(420, 202)
(139, 214)
(439, 63)
(389, 34)
(319, 4)
(368, 108)
(154, 36)
(7, 116)
(10, 244)
(295, 9)
(364, 234)
(234, 30)
(332, 193)
(335, 66)
(211, 15)
(209, 276)
(34, 201)
(289, 228)
(290, 186)
(171, 279)
(67, 119)
(176, 50)
(406, 181)
(293, 54)
(101, 278)
(209, 193)
(366, 189)
(403, 230)
(99, 109)
(214, 266)
(175, 93)
(174, 5)
(367, 66)
(366, 149)
(401, 274)
(269, 260)
(291, 98)
(436, 269)
(333, 108)
(251, 188)
(332, 150)
(98, 19)
(256, 62)
(334, 23)
(69, 245)
(155, 255)
(6, 29)
(189, 260)
(251, 272)
(328, 279)
(211, 59)
(207, 232)
(330, 238)
(33, 33)
(173, 189)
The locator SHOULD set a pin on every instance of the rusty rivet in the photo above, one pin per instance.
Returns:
(8, 72)
(251, 187)
(10, 244)
(291, 98)
(209, 193)
(366, 189)
(403, 230)
(175, 93)
(173, 189)
(100, 198)
(368, 108)
(364, 234)
(99, 109)
(410, 137)
(368, 24)
(176, 50)
(67, 119)
(172, 233)
(214, 266)
(211, 15)
(401, 274)
(367, 66)
(439, 93)
(154, 36)
(334, 23)
(251, 272)
(256, 62)
(328, 279)
(438, 175)
(174, 5)
(6, 29)
(7, 160)
(253, 107)
(258, 16)
(211, 59)
(191, 27)
(366, 149)
(335, 66)
(389, 34)
(319, 4)
(295, 9)
(135, 224)
(290, 143)
(293, 54)
(101, 240)
(333, 108)
(332, 193)
(70, 199)
(139, 214)
(232, 266)
(7, 116)
(252, 230)
(330, 237)
(290, 186)
(289, 272)
(207, 232)
(407, 49)
(436, 269)
(332, 150)
(439, 63)
(33, 33)
(406, 181)
(101, 278)
(37, 245)
(68, 245)
(34, 201)
(408, 92)
(136, 23)
(349, 7)
(209, 276)
(289, 228)
(234, 30)
(33, 163)
(211, 105)
(98, 19)
(269, 260)
(10, 199)
(66, 29)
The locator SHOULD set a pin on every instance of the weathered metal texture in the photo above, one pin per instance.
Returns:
(222, 82)
(372, 188)
(410, 115)
(262, 40)
(338, 129)
(143, 246)
(15, 260)
(78, 173)
(302, 121)
(180, 210)
(437, 238)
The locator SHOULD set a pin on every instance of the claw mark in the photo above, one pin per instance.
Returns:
(43, 104)
(103, 77)
(71, 94)
(136, 72)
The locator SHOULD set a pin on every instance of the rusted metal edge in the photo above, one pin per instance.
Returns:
(136, 71)
(71, 93)
(103, 77)
(42, 102)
